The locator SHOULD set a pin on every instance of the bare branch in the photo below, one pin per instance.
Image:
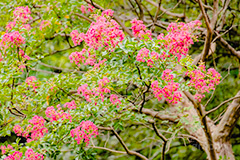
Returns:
(229, 47)
(178, 15)
(126, 148)
(84, 17)
(221, 104)
(230, 117)
(160, 136)
(140, 9)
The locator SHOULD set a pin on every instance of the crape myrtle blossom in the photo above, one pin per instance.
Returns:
(22, 14)
(34, 131)
(55, 115)
(103, 32)
(77, 38)
(97, 92)
(6, 149)
(10, 26)
(179, 38)
(114, 99)
(29, 155)
(31, 81)
(87, 9)
(15, 156)
(84, 132)
(139, 29)
(203, 81)
(12, 39)
(170, 92)
(23, 55)
(70, 105)
(83, 57)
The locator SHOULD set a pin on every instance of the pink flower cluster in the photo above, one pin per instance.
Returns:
(139, 29)
(10, 26)
(55, 115)
(6, 149)
(70, 105)
(77, 38)
(31, 82)
(179, 37)
(143, 56)
(84, 132)
(35, 128)
(22, 14)
(83, 57)
(166, 75)
(114, 99)
(95, 92)
(44, 24)
(15, 156)
(85, 92)
(170, 92)
(203, 81)
(87, 9)
(103, 32)
(29, 154)
(12, 38)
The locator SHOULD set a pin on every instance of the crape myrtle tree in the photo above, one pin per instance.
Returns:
(123, 77)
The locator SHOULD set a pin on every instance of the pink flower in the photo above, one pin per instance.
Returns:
(31, 155)
(10, 26)
(18, 130)
(55, 115)
(97, 65)
(31, 82)
(114, 99)
(12, 38)
(3, 148)
(77, 38)
(203, 81)
(166, 75)
(15, 156)
(139, 29)
(179, 38)
(84, 132)
(85, 92)
(83, 9)
(90, 8)
(22, 14)
(70, 105)
(142, 54)
(170, 92)
(108, 12)
(23, 55)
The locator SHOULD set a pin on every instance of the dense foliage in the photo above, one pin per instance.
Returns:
(78, 83)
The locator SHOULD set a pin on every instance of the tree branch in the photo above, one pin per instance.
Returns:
(178, 15)
(230, 117)
(206, 128)
(126, 148)
(160, 136)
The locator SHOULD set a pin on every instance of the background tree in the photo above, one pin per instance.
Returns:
(130, 116)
